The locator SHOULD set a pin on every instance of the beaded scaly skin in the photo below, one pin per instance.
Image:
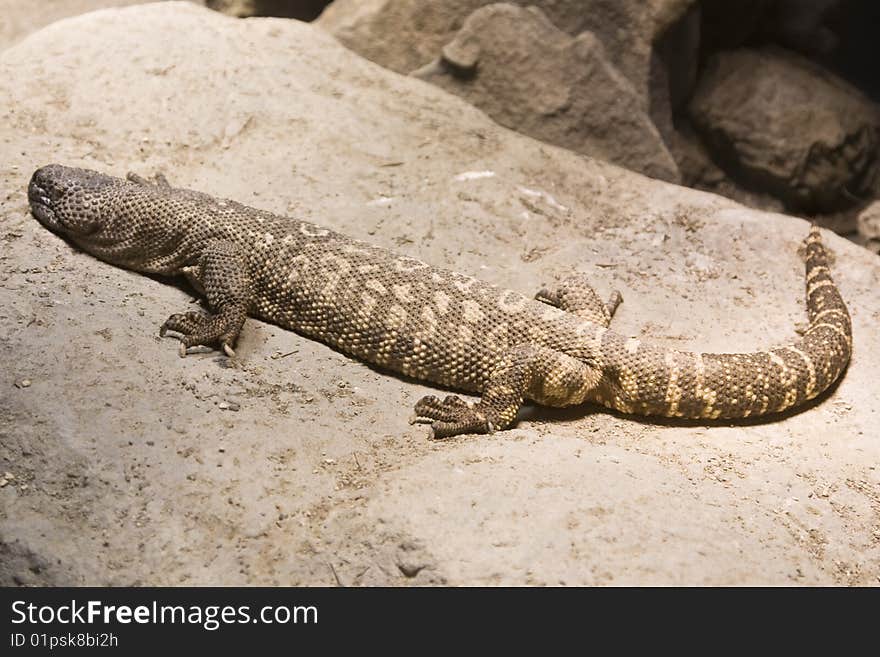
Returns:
(432, 324)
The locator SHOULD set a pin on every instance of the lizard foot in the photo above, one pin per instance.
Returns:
(450, 417)
(197, 328)
(159, 180)
(575, 295)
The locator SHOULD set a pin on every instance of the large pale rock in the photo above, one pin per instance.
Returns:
(125, 467)
(530, 76)
(783, 125)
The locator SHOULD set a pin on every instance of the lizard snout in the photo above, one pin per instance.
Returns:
(42, 194)
(64, 199)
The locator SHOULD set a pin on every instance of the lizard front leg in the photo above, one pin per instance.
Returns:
(159, 180)
(575, 295)
(539, 373)
(223, 274)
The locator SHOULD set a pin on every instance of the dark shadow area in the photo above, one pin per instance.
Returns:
(838, 34)
(856, 56)
(302, 10)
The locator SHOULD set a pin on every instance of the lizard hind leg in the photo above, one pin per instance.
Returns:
(539, 373)
(575, 295)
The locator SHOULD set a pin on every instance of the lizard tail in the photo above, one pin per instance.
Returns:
(671, 383)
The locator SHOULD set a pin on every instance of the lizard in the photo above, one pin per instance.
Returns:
(431, 324)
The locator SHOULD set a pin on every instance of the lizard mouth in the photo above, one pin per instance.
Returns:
(41, 205)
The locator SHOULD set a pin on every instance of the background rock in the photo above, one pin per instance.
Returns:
(781, 124)
(662, 47)
(698, 170)
(530, 76)
(404, 35)
(126, 469)
(868, 224)
(677, 56)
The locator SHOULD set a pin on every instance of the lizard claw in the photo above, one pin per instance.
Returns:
(197, 328)
(450, 417)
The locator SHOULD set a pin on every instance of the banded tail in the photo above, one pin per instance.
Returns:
(654, 381)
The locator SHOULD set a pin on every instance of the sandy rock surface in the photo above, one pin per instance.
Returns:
(120, 463)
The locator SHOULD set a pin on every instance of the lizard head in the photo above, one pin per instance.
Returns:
(68, 200)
